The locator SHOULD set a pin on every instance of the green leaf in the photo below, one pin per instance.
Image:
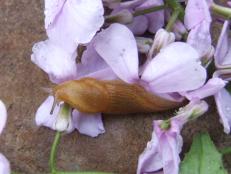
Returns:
(203, 157)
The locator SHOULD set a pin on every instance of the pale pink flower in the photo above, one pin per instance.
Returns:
(174, 64)
(197, 20)
(162, 152)
(70, 22)
(113, 54)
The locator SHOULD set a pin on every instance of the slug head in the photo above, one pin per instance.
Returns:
(86, 95)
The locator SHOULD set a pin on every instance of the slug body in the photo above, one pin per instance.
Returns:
(93, 96)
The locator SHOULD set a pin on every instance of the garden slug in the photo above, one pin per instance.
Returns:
(115, 97)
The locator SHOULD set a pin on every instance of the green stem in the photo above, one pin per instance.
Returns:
(148, 10)
(53, 153)
(225, 151)
(172, 20)
(220, 10)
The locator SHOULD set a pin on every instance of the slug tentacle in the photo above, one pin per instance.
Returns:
(93, 96)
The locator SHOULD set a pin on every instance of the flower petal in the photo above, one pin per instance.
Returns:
(170, 153)
(4, 165)
(223, 52)
(43, 116)
(3, 116)
(117, 46)
(92, 65)
(223, 101)
(150, 160)
(52, 10)
(178, 80)
(56, 62)
(88, 124)
(139, 25)
(155, 19)
(77, 22)
(196, 11)
(200, 38)
(170, 69)
(213, 86)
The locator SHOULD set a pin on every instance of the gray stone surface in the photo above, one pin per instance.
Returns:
(27, 146)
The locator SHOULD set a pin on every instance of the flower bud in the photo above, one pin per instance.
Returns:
(179, 30)
(144, 44)
(161, 40)
(124, 17)
(193, 110)
(63, 121)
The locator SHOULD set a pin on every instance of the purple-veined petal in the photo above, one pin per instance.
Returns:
(4, 165)
(92, 65)
(3, 116)
(199, 37)
(77, 22)
(162, 152)
(170, 69)
(52, 10)
(223, 101)
(88, 124)
(213, 86)
(56, 62)
(150, 160)
(170, 154)
(117, 46)
(139, 25)
(196, 11)
(43, 116)
(178, 80)
(223, 52)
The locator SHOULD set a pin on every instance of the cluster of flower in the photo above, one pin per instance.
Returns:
(110, 47)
